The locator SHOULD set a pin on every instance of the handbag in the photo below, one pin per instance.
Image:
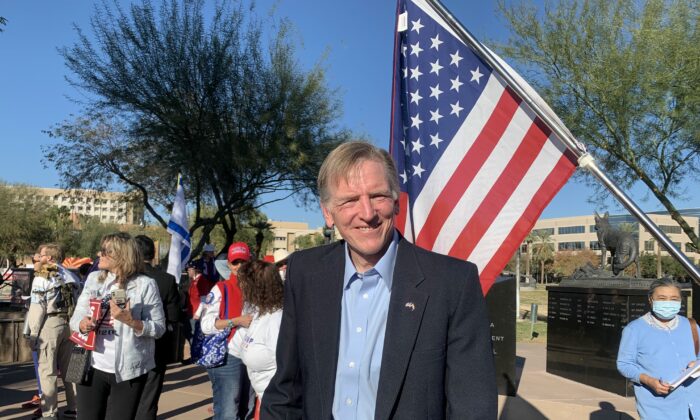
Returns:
(79, 369)
(210, 351)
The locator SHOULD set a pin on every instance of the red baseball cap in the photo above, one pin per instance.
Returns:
(238, 251)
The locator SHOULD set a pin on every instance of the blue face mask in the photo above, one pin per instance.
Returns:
(666, 309)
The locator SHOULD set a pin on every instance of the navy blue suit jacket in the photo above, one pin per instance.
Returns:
(437, 361)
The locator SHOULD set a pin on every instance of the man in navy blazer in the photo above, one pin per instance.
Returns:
(374, 327)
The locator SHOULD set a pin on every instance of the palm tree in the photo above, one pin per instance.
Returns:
(262, 227)
(543, 249)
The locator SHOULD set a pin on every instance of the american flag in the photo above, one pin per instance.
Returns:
(476, 166)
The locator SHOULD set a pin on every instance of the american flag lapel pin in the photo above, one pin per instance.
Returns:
(410, 305)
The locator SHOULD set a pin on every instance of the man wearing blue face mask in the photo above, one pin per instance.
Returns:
(655, 349)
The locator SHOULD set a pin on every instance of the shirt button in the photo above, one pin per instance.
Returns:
(365, 296)
(348, 401)
(351, 365)
(358, 329)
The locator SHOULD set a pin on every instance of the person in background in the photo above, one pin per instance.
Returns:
(207, 263)
(654, 350)
(223, 311)
(263, 294)
(125, 341)
(169, 295)
(52, 303)
(197, 292)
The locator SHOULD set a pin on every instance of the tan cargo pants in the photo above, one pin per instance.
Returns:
(54, 354)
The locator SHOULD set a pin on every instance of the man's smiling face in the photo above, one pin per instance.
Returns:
(363, 208)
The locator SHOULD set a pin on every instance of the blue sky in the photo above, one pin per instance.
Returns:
(354, 40)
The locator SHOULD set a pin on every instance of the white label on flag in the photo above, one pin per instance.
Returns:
(402, 25)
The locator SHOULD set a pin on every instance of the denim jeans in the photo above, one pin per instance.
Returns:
(226, 387)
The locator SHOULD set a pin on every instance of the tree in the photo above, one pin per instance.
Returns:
(566, 262)
(169, 93)
(543, 249)
(3, 22)
(309, 241)
(623, 76)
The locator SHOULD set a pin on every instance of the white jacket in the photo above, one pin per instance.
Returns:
(134, 351)
(256, 347)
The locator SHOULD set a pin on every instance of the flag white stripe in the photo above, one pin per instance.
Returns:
(513, 210)
(482, 184)
(453, 155)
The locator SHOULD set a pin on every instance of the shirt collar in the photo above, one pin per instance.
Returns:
(384, 267)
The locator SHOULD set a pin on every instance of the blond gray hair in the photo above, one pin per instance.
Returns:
(346, 158)
(126, 254)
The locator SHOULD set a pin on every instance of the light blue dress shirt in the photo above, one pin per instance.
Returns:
(365, 305)
(660, 352)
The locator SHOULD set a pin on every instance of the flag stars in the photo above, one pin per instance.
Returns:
(436, 67)
(415, 73)
(455, 58)
(415, 97)
(418, 170)
(456, 109)
(435, 140)
(416, 26)
(403, 49)
(417, 146)
(476, 75)
(435, 91)
(435, 42)
(456, 84)
(404, 177)
(435, 115)
(416, 49)
(416, 121)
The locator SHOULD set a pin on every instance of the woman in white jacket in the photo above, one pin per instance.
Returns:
(263, 294)
(125, 341)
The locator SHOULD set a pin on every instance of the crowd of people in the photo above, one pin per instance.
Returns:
(133, 334)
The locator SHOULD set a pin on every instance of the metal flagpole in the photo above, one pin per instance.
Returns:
(585, 160)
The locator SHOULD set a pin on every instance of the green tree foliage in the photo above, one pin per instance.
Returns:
(542, 251)
(309, 241)
(3, 22)
(170, 91)
(624, 76)
(566, 262)
(669, 267)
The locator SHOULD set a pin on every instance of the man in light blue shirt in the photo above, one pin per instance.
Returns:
(374, 327)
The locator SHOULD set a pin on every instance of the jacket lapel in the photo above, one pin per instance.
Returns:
(327, 290)
(406, 308)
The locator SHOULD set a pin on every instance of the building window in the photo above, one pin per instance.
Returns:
(565, 230)
(670, 229)
(594, 245)
(677, 245)
(591, 228)
(571, 246)
(548, 231)
(649, 245)
(689, 248)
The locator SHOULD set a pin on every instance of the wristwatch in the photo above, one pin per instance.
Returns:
(230, 324)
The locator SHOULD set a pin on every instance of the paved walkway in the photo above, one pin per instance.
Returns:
(187, 394)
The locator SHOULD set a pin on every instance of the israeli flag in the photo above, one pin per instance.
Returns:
(180, 244)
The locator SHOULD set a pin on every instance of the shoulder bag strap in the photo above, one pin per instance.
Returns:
(694, 330)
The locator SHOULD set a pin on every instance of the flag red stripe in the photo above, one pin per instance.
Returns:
(528, 149)
(551, 185)
(403, 209)
(468, 168)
